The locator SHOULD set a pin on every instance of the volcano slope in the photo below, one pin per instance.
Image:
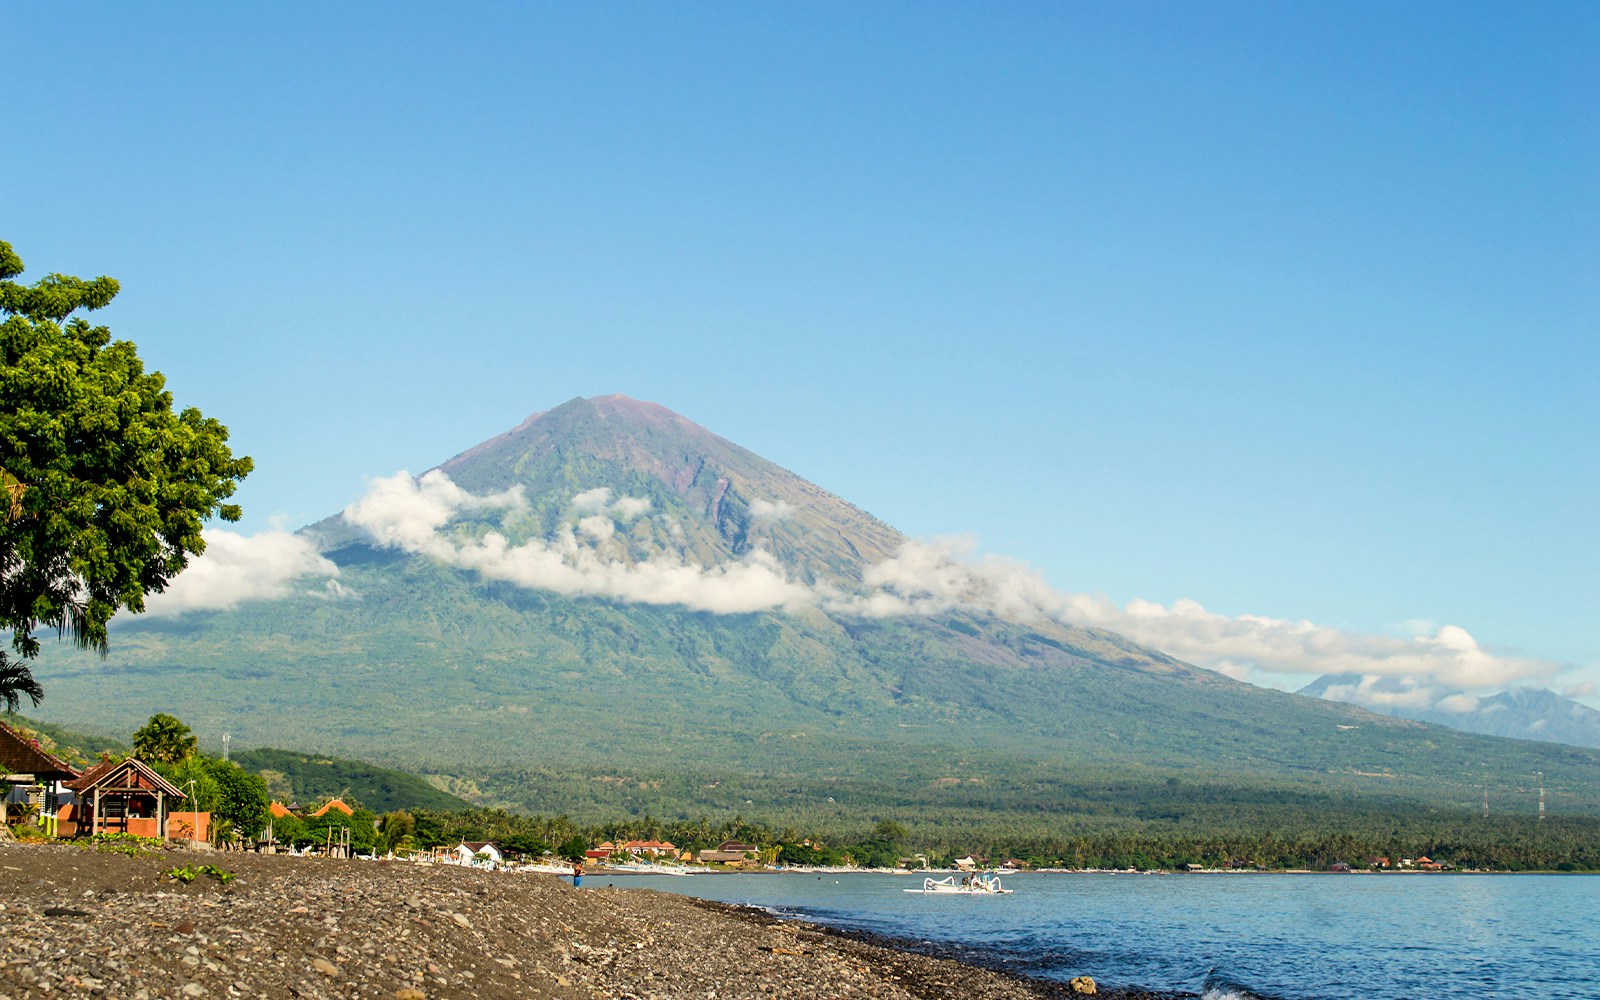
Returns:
(609, 610)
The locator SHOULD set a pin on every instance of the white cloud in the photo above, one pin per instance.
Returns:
(1459, 703)
(771, 510)
(598, 501)
(628, 508)
(1190, 632)
(412, 515)
(923, 578)
(938, 576)
(406, 513)
(935, 577)
(237, 568)
(1375, 691)
(592, 501)
(1582, 689)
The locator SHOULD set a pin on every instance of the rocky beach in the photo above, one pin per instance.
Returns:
(83, 922)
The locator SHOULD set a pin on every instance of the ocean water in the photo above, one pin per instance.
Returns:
(1226, 936)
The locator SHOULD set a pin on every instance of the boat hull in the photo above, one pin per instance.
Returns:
(950, 887)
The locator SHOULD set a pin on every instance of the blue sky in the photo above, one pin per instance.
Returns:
(1287, 310)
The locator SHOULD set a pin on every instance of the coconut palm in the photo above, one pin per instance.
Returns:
(164, 739)
(16, 682)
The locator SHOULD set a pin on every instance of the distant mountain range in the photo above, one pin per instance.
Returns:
(1522, 713)
(609, 608)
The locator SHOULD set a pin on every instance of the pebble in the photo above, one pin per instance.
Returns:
(283, 921)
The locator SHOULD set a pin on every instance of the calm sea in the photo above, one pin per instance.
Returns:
(1284, 937)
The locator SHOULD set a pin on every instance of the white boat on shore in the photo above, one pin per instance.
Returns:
(634, 868)
(972, 885)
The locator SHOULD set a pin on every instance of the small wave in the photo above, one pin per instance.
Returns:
(1220, 987)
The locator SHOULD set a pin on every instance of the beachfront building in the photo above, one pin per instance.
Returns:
(730, 852)
(268, 840)
(484, 854)
(33, 780)
(649, 848)
(123, 796)
(337, 805)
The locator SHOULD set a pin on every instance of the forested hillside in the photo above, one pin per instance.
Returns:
(610, 611)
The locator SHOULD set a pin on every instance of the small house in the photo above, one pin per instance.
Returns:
(123, 796)
(31, 775)
(483, 854)
(735, 852)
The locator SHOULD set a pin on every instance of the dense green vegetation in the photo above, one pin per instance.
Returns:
(552, 704)
(74, 746)
(1295, 840)
(973, 731)
(306, 778)
(1081, 820)
(103, 484)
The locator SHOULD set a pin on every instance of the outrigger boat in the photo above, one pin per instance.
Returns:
(972, 885)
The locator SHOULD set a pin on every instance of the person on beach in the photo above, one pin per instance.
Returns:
(577, 874)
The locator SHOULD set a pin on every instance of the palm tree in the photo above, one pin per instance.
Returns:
(17, 682)
(164, 739)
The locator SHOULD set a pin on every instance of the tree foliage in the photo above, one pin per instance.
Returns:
(17, 682)
(103, 485)
(164, 739)
(241, 797)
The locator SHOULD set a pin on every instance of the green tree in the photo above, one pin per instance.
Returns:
(889, 832)
(396, 829)
(290, 830)
(241, 798)
(573, 848)
(163, 739)
(192, 777)
(103, 486)
(16, 680)
(324, 829)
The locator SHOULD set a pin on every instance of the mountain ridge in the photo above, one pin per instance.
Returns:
(1525, 713)
(608, 598)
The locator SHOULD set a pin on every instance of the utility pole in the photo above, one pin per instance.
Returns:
(225, 738)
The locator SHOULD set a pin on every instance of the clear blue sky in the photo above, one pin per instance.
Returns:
(1288, 309)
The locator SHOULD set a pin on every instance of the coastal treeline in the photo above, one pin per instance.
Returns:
(1142, 822)
(1498, 843)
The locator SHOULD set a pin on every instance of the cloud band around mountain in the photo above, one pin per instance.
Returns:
(409, 514)
(236, 568)
(585, 557)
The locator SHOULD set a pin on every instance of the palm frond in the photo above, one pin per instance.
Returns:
(16, 682)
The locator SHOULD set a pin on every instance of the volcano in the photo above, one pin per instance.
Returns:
(610, 607)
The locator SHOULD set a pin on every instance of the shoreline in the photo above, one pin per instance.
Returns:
(82, 922)
(965, 958)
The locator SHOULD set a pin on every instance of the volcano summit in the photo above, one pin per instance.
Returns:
(610, 607)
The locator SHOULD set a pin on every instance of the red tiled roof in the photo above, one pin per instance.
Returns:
(103, 773)
(335, 804)
(21, 755)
